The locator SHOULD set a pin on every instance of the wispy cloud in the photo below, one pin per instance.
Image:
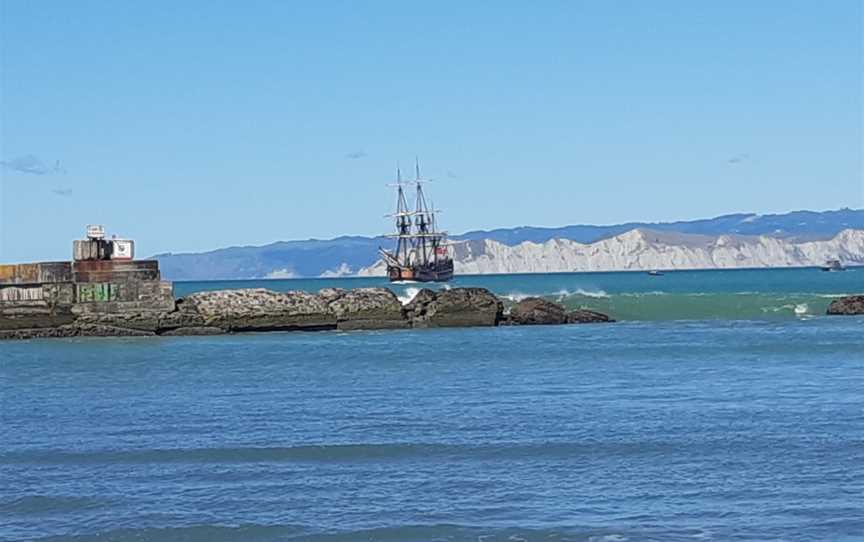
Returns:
(32, 165)
(356, 155)
(62, 192)
(452, 175)
(738, 158)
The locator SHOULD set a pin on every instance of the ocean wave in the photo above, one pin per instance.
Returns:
(192, 533)
(408, 295)
(560, 295)
(659, 305)
(403, 533)
(341, 453)
(43, 504)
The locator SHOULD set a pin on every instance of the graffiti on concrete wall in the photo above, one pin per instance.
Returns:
(22, 293)
(97, 292)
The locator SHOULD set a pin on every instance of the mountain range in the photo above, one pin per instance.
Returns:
(779, 235)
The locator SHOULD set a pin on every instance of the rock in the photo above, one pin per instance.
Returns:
(39, 333)
(849, 305)
(193, 331)
(365, 308)
(98, 330)
(585, 316)
(184, 316)
(536, 311)
(32, 315)
(416, 308)
(140, 321)
(261, 310)
(458, 307)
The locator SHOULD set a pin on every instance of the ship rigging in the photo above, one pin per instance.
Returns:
(421, 252)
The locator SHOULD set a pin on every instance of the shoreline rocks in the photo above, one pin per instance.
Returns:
(457, 307)
(259, 310)
(851, 305)
(534, 311)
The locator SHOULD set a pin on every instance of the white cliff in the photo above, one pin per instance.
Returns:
(646, 249)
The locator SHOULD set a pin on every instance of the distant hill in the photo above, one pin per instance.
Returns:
(642, 249)
(347, 255)
(799, 225)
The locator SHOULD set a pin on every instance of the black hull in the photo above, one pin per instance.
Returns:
(437, 272)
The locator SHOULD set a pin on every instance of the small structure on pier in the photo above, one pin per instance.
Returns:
(103, 276)
(96, 247)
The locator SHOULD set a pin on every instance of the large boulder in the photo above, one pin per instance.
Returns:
(536, 311)
(458, 307)
(849, 305)
(365, 308)
(585, 316)
(261, 310)
(185, 316)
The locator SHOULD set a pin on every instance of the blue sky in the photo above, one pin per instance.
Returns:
(197, 125)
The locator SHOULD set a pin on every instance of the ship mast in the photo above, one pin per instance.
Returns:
(427, 237)
(403, 221)
(418, 241)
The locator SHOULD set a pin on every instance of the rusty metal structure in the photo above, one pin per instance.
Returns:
(102, 277)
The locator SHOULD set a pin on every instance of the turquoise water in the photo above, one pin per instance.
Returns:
(710, 294)
(719, 428)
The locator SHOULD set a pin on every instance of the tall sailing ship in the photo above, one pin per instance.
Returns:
(421, 252)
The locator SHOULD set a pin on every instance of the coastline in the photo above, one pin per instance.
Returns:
(129, 298)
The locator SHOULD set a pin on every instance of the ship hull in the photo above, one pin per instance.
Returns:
(437, 272)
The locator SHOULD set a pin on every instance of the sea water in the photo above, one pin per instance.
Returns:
(714, 428)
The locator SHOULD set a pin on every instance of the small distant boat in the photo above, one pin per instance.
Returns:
(655, 273)
(833, 265)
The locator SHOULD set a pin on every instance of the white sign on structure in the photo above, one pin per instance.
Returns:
(122, 249)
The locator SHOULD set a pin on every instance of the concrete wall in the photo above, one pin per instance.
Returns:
(16, 294)
(49, 294)
(115, 271)
(35, 273)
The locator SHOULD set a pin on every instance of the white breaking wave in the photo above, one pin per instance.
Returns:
(517, 296)
(409, 295)
(585, 293)
(560, 294)
(281, 274)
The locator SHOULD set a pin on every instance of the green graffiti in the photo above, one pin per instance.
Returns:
(96, 293)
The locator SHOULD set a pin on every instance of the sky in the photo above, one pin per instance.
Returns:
(191, 126)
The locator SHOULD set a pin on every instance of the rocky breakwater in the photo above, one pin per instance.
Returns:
(248, 310)
(849, 305)
(264, 310)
